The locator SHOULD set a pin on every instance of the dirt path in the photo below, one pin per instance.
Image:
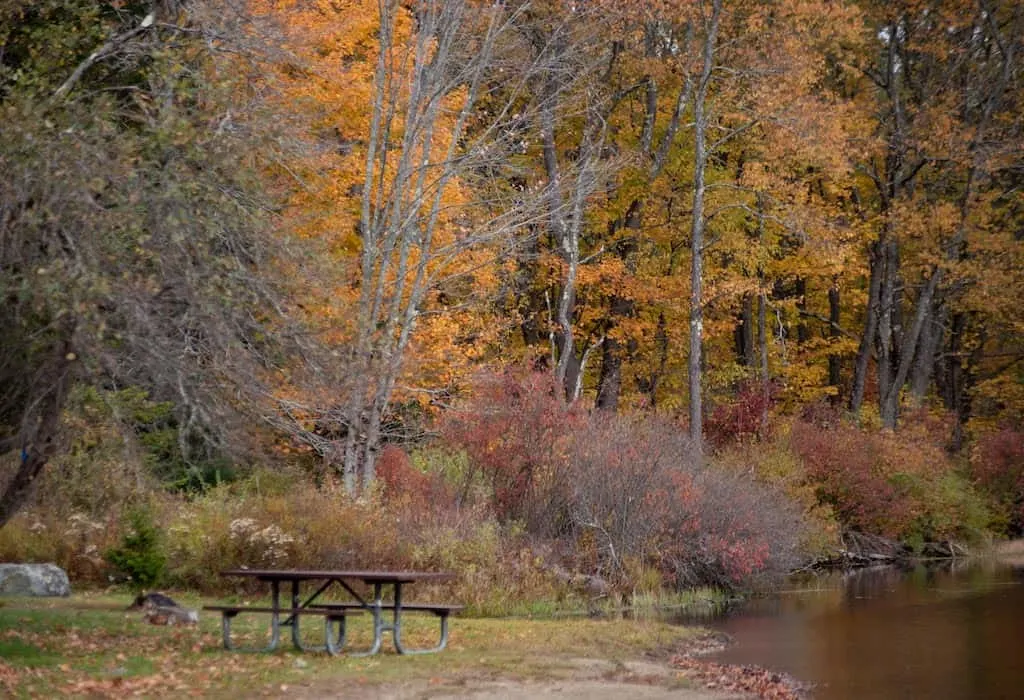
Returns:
(574, 679)
(682, 672)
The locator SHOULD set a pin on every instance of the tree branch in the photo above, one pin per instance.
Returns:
(828, 322)
(106, 50)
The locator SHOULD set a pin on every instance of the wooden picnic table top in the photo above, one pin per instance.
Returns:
(367, 576)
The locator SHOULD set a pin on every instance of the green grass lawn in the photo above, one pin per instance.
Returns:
(88, 645)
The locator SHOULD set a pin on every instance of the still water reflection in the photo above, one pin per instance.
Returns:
(928, 632)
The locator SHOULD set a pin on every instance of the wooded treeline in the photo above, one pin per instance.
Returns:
(323, 218)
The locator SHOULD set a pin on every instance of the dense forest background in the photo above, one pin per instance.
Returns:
(666, 292)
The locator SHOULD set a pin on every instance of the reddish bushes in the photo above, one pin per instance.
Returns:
(514, 431)
(842, 462)
(748, 529)
(997, 463)
(630, 490)
(401, 479)
(744, 419)
(900, 485)
(639, 487)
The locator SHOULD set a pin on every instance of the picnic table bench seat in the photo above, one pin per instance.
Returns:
(333, 640)
(440, 609)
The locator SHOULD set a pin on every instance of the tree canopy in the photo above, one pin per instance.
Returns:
(661, 203)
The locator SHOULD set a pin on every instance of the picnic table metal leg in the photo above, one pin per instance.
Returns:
(334, 643)
(225, 626)
(397, 628)
(275, 619)
(293, 620)
(396, 625)
(227, 616)
(225, 629)
(375, 608)
(441, 643)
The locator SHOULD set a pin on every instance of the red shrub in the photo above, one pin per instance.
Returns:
(843, 461)
(997, 462)
(643, 493)
(397, 474)
(632, 487)
(402, 481)
(623, 490)
(514, 432)
(748, 530)
(745, 419)
(821, 413)
(902, 485)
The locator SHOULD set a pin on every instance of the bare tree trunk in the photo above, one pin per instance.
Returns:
(909, 350)
(886, 335)
(649, 385)
(610, 381)
(700, 157)
(564, 227)
(559, 228)
(802, 333)
(951, 382)
(762, 334)
(867, 339)
(530, 304)
(40, 430)
(965, 399)
(924, 360)
(835, 363)
(953, 375)
(609, 384)
(566, 193)
(915, 349)
(744, 335)
(762, 300)
(568, 367)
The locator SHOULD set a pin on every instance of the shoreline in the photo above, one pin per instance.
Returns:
(680, 673)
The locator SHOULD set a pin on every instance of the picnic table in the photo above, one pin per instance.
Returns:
(335, 613)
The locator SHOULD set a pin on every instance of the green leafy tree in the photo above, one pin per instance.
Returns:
(133, 244)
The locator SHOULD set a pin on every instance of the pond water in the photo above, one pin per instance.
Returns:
(949, 632)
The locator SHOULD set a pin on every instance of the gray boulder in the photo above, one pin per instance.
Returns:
(33, 580)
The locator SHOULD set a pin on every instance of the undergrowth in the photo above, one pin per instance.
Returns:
(540, 507)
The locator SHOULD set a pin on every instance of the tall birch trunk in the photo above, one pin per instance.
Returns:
(700, 157)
